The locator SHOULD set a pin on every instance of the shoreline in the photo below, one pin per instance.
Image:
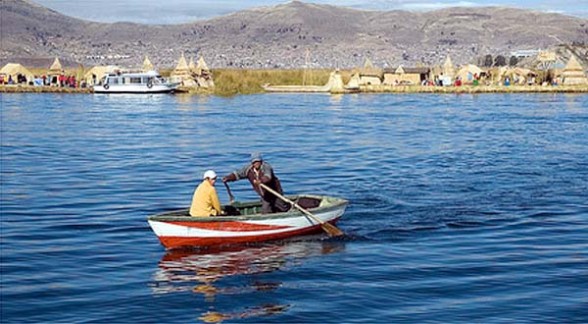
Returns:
(475, 89)
(41, 89)
(372, 89)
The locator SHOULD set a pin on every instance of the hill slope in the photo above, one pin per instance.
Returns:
(279, 36)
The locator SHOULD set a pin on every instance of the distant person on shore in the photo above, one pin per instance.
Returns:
(457, 82)
(205, 200)
(259, 171)
(506, 81)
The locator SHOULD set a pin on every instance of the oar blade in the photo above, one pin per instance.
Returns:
(331, 229)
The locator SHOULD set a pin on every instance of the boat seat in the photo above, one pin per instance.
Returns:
(308, 202)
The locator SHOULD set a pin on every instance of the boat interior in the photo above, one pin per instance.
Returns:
(254, 207)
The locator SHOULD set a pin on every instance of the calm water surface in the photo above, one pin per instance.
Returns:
(462, 208)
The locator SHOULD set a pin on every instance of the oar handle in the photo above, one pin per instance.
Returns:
(231, 197)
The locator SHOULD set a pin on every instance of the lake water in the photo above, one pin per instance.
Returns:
(463, 208)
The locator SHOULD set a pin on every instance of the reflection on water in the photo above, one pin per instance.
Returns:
(202, 272)
(188, 101)
(258, 311)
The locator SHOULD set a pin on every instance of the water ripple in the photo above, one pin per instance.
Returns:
(463, 208)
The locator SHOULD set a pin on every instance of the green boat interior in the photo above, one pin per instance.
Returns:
(251, 209)
(254, 207)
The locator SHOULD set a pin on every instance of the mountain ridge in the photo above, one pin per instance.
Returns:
(279, 36)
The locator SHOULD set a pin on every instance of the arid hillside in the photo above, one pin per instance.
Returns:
(279, 36)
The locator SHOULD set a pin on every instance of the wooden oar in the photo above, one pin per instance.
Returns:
(231, 197)
(327, 227)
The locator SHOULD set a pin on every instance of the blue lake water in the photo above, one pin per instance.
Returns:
(463, 208)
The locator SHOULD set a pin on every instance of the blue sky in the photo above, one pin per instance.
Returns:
(182, 11)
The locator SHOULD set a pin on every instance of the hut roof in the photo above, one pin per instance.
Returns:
(408, 70)
(202, 64)
(15, 69)
(192, 65)
(100, 71)
(448, 68)
(55, 67)
(573, 73)
(147, 65)
(182, 68)
(573, 65)
(182, 64)
(468, 70)
(368, 69)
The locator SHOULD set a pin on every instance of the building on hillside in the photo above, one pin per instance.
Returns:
(573, 73)
(406, 76)
(525, 53)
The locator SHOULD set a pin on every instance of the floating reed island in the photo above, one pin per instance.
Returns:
(199, 79)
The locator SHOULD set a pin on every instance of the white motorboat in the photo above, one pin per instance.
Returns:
(134, 82)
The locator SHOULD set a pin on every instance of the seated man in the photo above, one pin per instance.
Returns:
(205, 201)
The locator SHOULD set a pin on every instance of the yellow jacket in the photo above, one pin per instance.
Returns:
(205, 201)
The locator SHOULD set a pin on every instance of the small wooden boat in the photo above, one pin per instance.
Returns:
(245, 224)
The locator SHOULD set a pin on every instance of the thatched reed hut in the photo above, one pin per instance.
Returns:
(573, 73)
(202, 74)
(96, 73)
(469, 73)
(406, 76)
(55, 70)
(147, 65)
(370, 75)
(12, 71)
(182, 73)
